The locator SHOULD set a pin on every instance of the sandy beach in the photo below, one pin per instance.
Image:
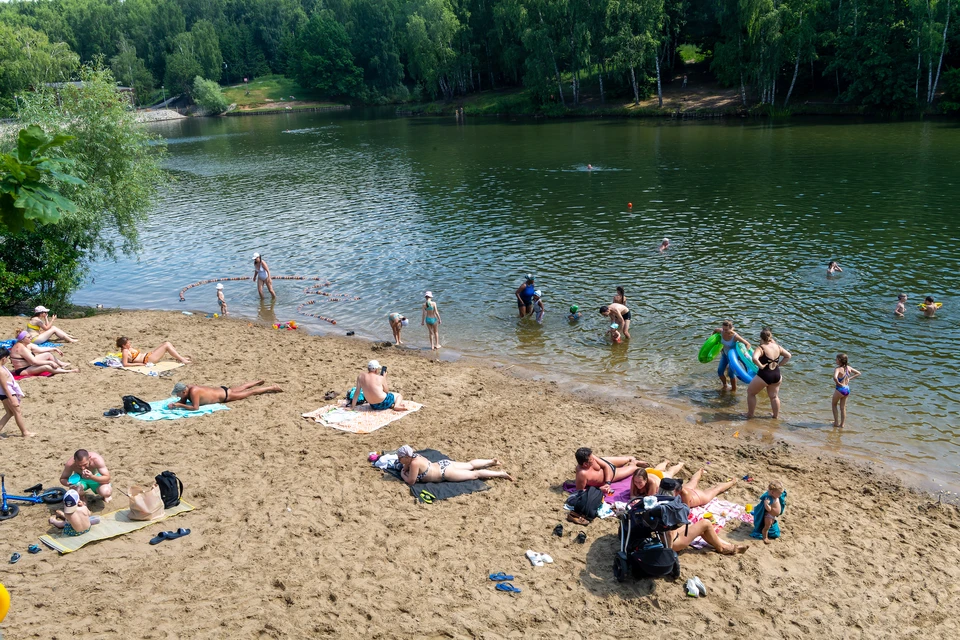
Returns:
(296, 535)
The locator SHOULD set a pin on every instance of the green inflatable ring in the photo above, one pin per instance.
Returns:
(747, 359)
(710, 348)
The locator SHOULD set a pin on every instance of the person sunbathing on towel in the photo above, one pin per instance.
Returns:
(42, 329)
(594, 471)
(75, 518)
(193, 396)
(376, 389)
(683, 537)
(78, 475)
(416, 469)
(28, 359)
(646, 482)
(130, 357)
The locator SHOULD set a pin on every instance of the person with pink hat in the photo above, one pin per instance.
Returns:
(431, 317)
(29, 359)
(42, 329)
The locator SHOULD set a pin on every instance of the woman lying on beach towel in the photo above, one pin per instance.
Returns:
(130, 357)
(647, 484)
(416, 468)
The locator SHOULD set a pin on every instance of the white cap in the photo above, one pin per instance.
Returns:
(373, 365)
(41, 309)
(537, 293)
(219, 285)
(256, 255)
(70, 501)
(666, 239)
(428, 294)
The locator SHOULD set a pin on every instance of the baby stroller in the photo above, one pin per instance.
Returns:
(645, 526)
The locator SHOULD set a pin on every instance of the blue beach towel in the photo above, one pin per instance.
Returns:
(160, 412)
(6, 344)
(758, 513)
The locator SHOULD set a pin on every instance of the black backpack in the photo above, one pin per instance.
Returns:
(653, 560)
(133, 404)
(586, 502)
(170, 488)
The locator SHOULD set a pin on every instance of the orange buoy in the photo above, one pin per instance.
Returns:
(630, 205)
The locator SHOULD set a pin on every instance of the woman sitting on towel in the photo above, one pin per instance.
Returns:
(416, 469)
(130, 357)
(42, 329)
(28, 359)
(682, 538)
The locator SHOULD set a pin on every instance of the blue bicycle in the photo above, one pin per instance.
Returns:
(36, 496)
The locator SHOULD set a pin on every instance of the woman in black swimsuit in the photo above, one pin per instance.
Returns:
(769, 357)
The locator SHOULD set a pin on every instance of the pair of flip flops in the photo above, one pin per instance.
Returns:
(580, 539)
(426, 496)
(538, 559)
(170, 535)
(503, 582)
(113, 413)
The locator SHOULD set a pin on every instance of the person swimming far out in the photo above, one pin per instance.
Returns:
(575, 314)
(901, 307)
(664, 245)
(929, 307)
(833, 268)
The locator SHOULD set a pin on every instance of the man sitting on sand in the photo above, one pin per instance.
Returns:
(193, 396)
(376, 389)
(75, 519)
(77, 474)
(594, 471)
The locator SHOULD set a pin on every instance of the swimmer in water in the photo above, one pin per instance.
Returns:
(431, 316)
(525, 297)
(901, 305)
(842, 375)
(664, 245)
(619, 314)
(574, 313)
(589, 167)
(929, 307)
(833, 268)
(538, 308)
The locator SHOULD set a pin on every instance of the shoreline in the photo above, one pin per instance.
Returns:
(312, 541)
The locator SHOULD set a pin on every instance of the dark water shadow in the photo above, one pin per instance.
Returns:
(704, 397)
(598, 578)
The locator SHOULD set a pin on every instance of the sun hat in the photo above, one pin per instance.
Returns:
(373, 365)
(41, 309)
(428, 294)
(406, 451)
(70, 501)
(219, 286)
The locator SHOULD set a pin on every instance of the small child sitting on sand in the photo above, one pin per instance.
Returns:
(766, 515)
(75, 519)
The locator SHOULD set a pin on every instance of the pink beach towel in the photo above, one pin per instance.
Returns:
(44, 374)
(723, 512)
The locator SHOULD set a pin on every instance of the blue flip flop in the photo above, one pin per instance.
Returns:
(179, 533)
(160, 537)
(34, 548)
(14, 558)
(500, 576)
(506, 586)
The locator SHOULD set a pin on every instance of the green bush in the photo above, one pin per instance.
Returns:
(208, 95)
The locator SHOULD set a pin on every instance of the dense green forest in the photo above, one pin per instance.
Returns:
(884, 55)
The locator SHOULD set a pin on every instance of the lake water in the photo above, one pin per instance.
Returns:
(386, 208)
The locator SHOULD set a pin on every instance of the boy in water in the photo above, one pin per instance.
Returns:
(221, 300)
(574, 313)
(929, 307)
(538, 308)
(75, 519)
(664, 245)
(901, 305)
(833, 268)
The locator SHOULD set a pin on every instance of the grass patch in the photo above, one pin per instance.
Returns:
(271, 92)
(691, 54)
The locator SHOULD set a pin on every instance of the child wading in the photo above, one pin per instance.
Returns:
(221, 300)
(842, 375)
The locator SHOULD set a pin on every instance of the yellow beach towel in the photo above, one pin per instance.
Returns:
(111, 525)
(153, 372)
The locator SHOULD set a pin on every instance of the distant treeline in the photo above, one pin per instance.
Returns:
(891, 55)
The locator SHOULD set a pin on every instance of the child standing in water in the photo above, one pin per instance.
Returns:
(833, 268)
(221, 300)
(901, 305)
(574, 313)
(538, 308)
(842, 375)
(397, 322)
(728, 338)
(431, 316)
(929, 307)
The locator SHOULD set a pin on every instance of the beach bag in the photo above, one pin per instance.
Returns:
(360, 399)
(170, 488)
(654, 560)
(133, 404)
(145, 502)
(586, 502)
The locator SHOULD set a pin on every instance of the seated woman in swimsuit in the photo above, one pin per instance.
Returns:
(767, 357)
(130, 357)
(416, 469)
(682, 538)
(41, 327)
(645, 483)
(27, 359)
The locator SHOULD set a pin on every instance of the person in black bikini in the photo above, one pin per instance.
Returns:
(193, 396)
(769, 357)
(416, 469)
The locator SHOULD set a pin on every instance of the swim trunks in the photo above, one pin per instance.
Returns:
(86, 483)
(387, 403)
(70, 531)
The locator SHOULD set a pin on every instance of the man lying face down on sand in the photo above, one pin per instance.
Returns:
(193, 396)
(594, 471)
(376, 389)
